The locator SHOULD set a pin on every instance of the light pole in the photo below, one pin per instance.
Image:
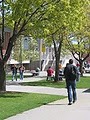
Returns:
(2, 20)
(40, 54)
(21, 49)
(2, 26)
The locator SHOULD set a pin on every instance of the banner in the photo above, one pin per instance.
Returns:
(43, 48)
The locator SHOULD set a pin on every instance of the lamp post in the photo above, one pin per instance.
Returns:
(2, 28)
(40, 54)
(21, 51)
(2, 20)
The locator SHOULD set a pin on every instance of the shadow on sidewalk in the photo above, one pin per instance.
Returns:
(56, 104)
(87, 91)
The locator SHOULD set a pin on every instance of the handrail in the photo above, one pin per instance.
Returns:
(45, 62)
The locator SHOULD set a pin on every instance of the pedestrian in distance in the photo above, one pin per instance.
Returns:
(65, 72)
(14, 72)
(60, 74)
(50, 73)
(70, 73)
(21, 71)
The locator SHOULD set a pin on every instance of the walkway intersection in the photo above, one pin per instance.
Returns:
(58, 110)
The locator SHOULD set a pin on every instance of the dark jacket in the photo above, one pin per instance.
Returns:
(14, 70)
(68, 70)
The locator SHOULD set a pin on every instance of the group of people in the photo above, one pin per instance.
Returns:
(14, 70)
(71, 75)
(50, 74)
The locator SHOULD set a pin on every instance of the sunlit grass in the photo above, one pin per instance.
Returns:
(13, 103)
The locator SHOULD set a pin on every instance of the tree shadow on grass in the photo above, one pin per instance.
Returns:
(10, 94)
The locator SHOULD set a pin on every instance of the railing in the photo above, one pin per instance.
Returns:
(45, 62)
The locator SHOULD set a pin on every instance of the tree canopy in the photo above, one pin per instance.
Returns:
(53, 18)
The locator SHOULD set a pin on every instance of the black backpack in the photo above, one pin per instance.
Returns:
(73, 74)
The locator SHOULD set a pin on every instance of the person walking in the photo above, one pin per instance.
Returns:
(70, 73)
(21, 71)
(14, 72)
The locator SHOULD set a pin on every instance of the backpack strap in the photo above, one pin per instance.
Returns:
(73, 69)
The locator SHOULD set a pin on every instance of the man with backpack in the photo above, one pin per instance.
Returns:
(70, 73)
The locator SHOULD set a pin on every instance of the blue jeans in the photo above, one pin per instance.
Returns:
(71, 89)
(21, 75)
(14, 76)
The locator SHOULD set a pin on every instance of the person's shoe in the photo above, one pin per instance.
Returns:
(74, 101)
(69, 103)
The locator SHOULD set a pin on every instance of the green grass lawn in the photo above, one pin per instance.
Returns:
(83, 83)
(12, 103)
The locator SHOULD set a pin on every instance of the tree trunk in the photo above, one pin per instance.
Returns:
(81, 68)
(2, 77)
(56, 69)
(57, 66)
(57, 50)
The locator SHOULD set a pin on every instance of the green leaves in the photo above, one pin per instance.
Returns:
(42, 19)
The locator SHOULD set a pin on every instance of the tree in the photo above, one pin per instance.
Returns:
(77, 21)
(54, 18)
(64, 18)
(20, 22)
(25, 53)
(78, 42)
(78, 49)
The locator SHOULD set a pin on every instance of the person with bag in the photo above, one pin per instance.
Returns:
(70, 73)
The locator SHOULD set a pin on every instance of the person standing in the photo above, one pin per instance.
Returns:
(21, 71)
(14, 72)
(60, 74)
(70, 73)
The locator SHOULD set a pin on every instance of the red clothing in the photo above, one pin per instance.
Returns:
(77, 64)
(50, 72)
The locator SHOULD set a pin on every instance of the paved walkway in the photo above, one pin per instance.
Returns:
(58, 110)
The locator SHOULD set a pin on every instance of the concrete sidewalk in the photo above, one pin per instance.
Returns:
(58, 110)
